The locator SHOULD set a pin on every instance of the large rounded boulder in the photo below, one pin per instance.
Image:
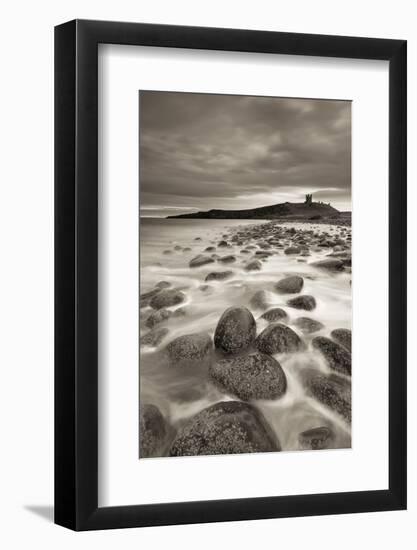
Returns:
(254, 376)
(167, 298)
(275, 314)
(200, 260)
(189, 348)
(292, 250)
(307, 325)
(228, 427)
(342, 336)
(219, 275)
(331, 390)
(235, 331)
(337, 357)
(278, 338)
(153, 431)
(290, 285)
(254, 265)
(303, 302)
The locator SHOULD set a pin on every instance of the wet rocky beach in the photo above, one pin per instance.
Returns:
(245, 337)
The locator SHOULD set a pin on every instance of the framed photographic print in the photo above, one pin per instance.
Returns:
(230, 337)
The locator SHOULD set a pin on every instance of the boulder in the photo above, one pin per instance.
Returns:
(189, 348)
(307, 325)
(275, 314)
(278, 338)
(154, 337)
(235, 331)
(158, 317)
(303, 302)
(337, 357)
(222, 244)
(316, 438)
(153, 431)
(343, 336)
(259, 300)
(200, 260)
(227, 259)
(254, 265)
(331, 390)
(290, 285)
(228, 427)
(254, 376)
(292, 250)
(219, 275)
(167, 298)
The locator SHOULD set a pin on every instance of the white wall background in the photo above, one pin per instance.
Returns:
(26, 272)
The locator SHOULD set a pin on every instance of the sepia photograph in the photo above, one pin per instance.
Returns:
(245, 274)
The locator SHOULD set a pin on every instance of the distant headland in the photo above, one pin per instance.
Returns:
(307, 210)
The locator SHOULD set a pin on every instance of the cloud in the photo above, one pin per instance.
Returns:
(206, 151)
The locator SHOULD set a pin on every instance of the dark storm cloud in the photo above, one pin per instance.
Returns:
(202, 151)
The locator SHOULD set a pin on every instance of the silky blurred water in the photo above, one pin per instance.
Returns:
(181, 393)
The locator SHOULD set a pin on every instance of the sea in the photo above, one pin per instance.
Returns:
(182, 394)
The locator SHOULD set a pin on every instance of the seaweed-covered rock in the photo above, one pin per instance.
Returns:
(157, 317)
(275, 314)
(219, 275)
(259, 300)
(200, 260)
(189, 348)
(278, 338)
(331, 390)
(235, 331)
(254, 376)
(228, 427)
(167, 298)
(307, 325)
(329, 264)
(303, 302)
(154, 337)
(153, 431)
(316, 438)
(337, 357)
(254, 265)
(343, 336)
(290, 285)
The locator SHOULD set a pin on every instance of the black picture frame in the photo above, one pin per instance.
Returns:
(76, 272)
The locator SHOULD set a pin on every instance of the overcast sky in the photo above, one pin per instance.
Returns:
(200, 151)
